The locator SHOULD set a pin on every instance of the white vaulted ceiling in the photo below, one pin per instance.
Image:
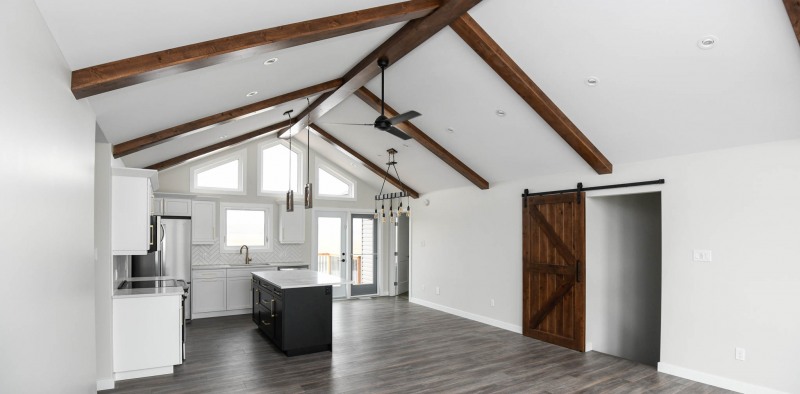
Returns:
(658, 93)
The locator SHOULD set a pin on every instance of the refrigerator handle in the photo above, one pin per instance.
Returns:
(163, 233)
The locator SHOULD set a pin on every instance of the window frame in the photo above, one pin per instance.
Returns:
(241, 155)
(300, 169)
(350, 180)
(268, 224)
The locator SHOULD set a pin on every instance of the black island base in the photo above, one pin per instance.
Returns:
(296, 320)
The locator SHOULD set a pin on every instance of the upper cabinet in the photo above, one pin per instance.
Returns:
(177, 207)
(204, 226)
(131, 205)
(292, 228)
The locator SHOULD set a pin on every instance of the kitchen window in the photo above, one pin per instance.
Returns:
(245, 224)
(224, 175)
(333, 185)
(279, 168)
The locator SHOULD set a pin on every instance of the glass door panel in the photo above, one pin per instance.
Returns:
(364, 258)
(332, 247)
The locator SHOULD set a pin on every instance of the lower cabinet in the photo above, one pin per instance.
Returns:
(208, 291)
(147, 335)
(222, 292)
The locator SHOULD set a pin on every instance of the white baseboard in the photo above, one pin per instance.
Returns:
(143, 373)
(203, 315)
(105, 384)
(714, 380)
(468, 315)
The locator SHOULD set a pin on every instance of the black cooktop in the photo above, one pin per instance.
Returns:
(149, 284)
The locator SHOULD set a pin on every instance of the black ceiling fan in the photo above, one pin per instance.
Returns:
(382, 122)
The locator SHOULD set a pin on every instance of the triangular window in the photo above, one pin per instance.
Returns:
(333, 184)
(224, 175)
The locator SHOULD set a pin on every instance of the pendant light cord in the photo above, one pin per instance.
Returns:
(308, 142)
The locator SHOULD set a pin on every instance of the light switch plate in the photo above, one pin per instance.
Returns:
(701, 255)
(740, 354)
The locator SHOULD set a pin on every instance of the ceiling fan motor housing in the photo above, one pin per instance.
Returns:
(382, 123)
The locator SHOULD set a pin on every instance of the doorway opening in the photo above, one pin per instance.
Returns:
(623, 282)
(364, 255)
(399, 257)
(330, 239)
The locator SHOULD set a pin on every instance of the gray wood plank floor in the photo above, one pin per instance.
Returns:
(389, 345)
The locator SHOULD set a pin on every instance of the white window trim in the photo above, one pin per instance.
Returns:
(298, 195)
(241, 155)
(268, 224)
(350, 180)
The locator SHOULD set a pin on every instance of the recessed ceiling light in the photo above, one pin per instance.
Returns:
(500, 113)
(354, 165)
(707, 42)
(251, 94)
(270, 61)
(451, 130)
(222, 137)
(592, 81)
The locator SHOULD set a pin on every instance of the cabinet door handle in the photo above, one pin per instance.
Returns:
(272, 309)
(264, 323)
(152, 236)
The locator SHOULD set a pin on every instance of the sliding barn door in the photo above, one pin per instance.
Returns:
(554, 254)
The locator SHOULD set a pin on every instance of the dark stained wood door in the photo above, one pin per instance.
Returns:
(554, 262)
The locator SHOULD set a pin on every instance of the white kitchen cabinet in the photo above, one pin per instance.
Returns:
(204, 224)
(146, 335)
(223, 292)
(131, 195)
(177, 207)
(238, 293)
(292, 225)
(208, 291)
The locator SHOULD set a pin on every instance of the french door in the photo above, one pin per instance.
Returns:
(364, 254)
(331, 246)
(553, 271)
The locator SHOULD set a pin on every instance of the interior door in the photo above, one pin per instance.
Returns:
(331, 244)
(364, 254)
(554, 263)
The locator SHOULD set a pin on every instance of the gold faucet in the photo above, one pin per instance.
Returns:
(247, 258)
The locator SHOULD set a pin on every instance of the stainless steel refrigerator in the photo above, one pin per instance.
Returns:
(172, 256)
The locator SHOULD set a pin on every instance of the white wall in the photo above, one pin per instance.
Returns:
(102, 274)
(47, 305)
(739, 203)
(623, 276)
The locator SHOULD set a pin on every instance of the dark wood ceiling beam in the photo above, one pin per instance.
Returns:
(426, 141)
(189, 128)
(218, 146)
(515, 77)
(131, 71)
(410, 36)
(793, 10)
(342, 147)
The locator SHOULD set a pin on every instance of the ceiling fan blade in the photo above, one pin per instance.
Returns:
(397, 133)
(404, 117)
(353, 124)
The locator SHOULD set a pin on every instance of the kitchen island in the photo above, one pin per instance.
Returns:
(294, 309)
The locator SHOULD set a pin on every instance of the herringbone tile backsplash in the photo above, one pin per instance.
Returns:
(281, 253)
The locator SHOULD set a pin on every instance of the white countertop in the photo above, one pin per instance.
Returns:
(298, 278)
(152, 292)
(226, 266)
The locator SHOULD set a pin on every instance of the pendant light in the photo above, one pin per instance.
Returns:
(290, 193)
(309, 189)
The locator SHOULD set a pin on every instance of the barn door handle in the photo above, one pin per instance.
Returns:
(578, 271)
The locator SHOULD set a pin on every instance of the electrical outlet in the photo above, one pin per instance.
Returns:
(740, 354)
(437, 290)
(491, 302)
(701, 255)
